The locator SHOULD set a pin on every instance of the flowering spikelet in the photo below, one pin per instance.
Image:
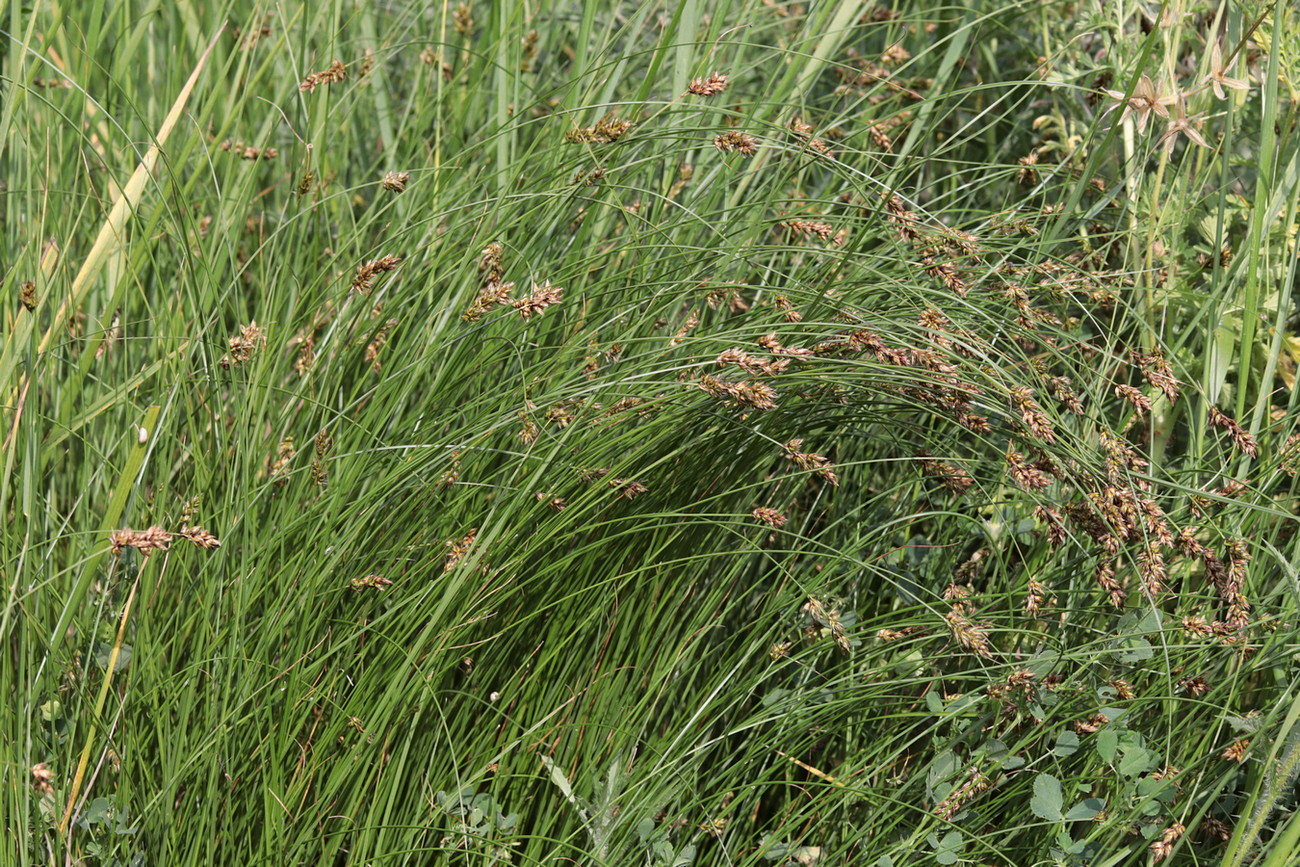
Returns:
(769, 516)
(544, 295)
(1105, 577)
(457, 549)
(490, 263)
(1289, 455)
(1161, 848)
(199, 536)
(692, 321)
(1064, 392)
(1236, 751)
(608, 129)
(1240, 436)
(972, 638)
(780, 302)
(628, 488)
(279, 468)
(145, 541)
(1157, 371)
(336, 72)
(1022, 398)
(395, 182)
(1056, 534)
(373, 582)
(488, 297)
(810, 227)
(750, 364)
(974, 786)
(248, 152)
(363, 281)
(822, 618)
(243, 345)
(377, 343)
(1135, 398)
(710, 86)
(953, 477)
(811, 461)
(1035, 598)
(736, 142)
(1026, 475)
(749, 395)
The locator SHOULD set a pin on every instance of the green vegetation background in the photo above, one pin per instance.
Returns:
(667, 433)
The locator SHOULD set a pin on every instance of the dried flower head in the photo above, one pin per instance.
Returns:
(1217, 77)
(738, 142)
(1160, 849)
(769, 516)
(243, 345)
(372, 582)
(1240, 436)
(199, 536)
(335, 73)
(458, 548)
(628, 488)
(1182, 124)
(488, 297)
(544, 295)
(395, 182)
(970, 637)
(810, 461)
(1143, 102)
(747, 395)
(714, 84)
(41, 777)
(363, 282)
(1236, 751)
(145, 541)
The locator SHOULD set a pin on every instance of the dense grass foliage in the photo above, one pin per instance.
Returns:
(668, 433)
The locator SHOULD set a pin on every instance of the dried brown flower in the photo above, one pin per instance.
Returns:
(1236, 751)
(1143, 102)
(710, 86)
(372, 582)
(41, 777)
(199, 536)
(1134, 397)
(243, 345)
(628, 488)
(748, 395)
(544, 295)
(488, 297)
(395, 182)
(972, 638)
(458, 548)
(738, 142)
(810, 461)
(363, 281)
(145, 541)
(810, 227)
(769, 516)
(1240, 436)
(1160, 849)
(335, 73)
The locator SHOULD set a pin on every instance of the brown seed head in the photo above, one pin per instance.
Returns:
(710, 86)
(335, 73)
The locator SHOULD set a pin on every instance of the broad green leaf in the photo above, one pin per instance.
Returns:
(1047, 800)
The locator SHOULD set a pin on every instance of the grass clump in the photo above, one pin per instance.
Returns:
(642, 433)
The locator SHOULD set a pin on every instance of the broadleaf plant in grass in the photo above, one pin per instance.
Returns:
(668, 433)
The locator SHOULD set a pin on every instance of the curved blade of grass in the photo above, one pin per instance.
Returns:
(109, 235)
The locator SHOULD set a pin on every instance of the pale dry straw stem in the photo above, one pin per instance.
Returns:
(109, 235)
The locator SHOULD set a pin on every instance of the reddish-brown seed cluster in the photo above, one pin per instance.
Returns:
(336, 72)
